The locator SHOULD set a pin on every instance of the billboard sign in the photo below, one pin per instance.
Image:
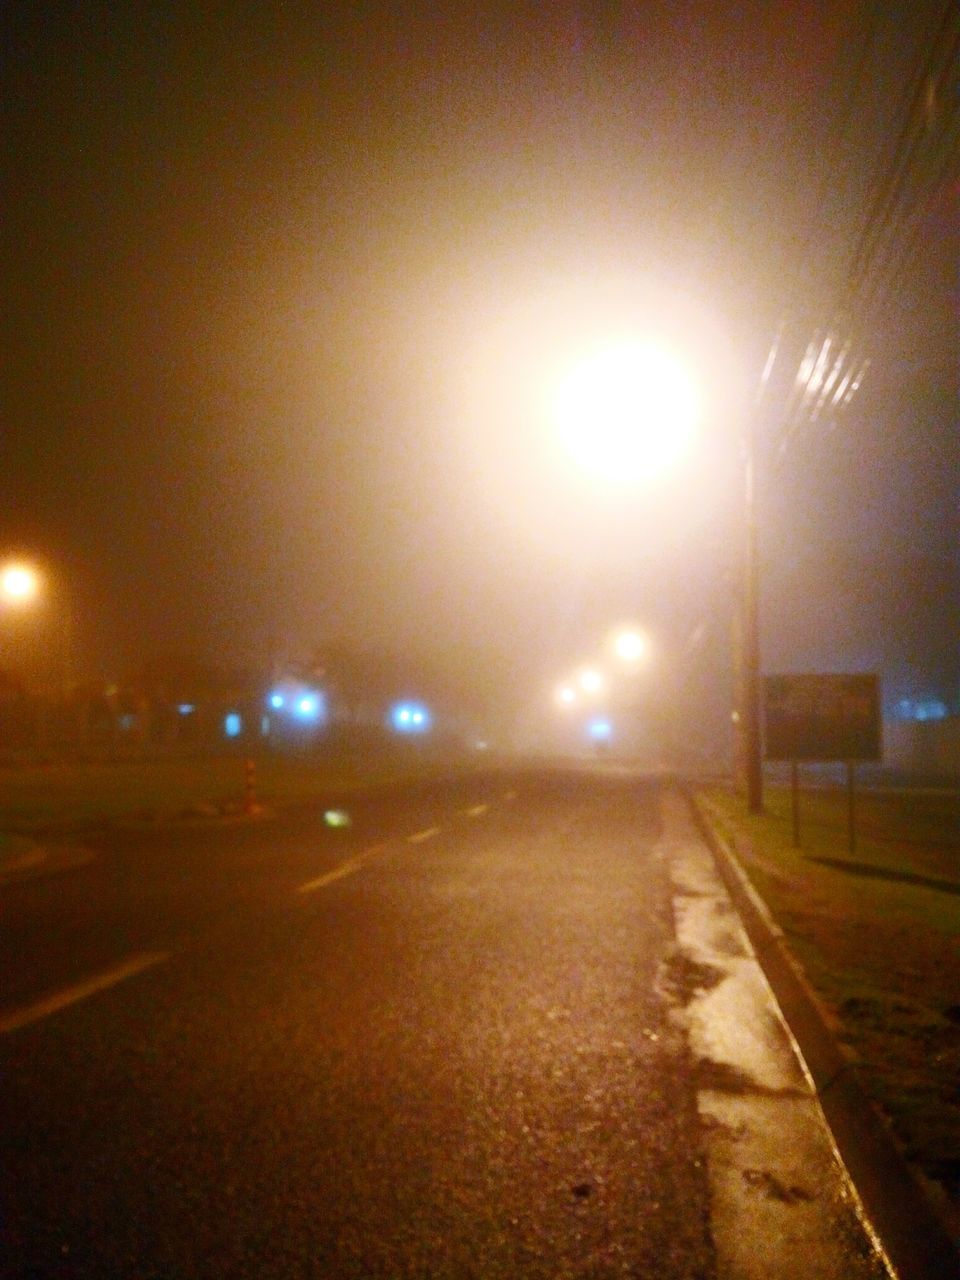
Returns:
(822, 717)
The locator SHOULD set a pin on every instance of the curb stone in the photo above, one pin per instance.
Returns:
(908, 1227)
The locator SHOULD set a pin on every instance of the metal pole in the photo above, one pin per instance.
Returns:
(66, 658)
(750, 639)
(751, 627)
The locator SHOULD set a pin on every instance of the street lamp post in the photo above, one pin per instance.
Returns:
(21, 583)
(630, 413)
(750, 628)
(19, 587)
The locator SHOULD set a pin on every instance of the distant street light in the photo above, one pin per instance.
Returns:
(631, 646)
(566, 695)
(19, 582)
(600, 730)
(591, 681)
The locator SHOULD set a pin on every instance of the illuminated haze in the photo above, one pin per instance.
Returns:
(288, 284)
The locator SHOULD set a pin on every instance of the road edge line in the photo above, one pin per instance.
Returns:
(911, 1233)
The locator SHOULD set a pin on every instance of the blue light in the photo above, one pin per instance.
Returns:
(186, 708)
(410, 717)
(308, 706)
(232, 724)
(922, 709)
(303, 703)
(600, 730)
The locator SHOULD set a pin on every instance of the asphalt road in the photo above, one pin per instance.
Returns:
(434, 1043)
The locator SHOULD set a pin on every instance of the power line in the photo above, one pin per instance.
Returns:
(889, 238)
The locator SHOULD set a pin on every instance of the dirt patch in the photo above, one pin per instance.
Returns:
(769, 1185)
(721, 1077)
(682, 978)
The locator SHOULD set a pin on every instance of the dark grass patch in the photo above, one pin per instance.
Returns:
(887, 873)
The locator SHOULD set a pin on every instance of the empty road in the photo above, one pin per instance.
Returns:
(465, 1036)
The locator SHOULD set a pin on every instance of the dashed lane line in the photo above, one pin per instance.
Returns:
(360, 860)
(475, 810)
(338, 873)
(13, 1019)
(344, 869)
(423, 835)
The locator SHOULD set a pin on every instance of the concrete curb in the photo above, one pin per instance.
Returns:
(910, 1231)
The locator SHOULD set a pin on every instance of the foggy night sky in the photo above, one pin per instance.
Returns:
(272, 272)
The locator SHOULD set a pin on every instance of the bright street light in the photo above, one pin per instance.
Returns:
(19, 582)
(631, 646)
(629, 412)
(566, 695)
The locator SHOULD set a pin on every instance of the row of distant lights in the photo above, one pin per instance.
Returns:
(310, 706)
(630, 646)
(305, 706)
(599, 729)
(410, 717)
(405, 717)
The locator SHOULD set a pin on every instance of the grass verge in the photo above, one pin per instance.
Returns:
(877, 932)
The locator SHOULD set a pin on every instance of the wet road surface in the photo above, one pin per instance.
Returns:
(440, 1042)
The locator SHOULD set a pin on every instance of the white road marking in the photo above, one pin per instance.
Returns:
(423, 835)
(344, 869)
(476, 810)
(22, 1017)
(338, 873)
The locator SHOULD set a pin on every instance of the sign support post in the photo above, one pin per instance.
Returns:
(823, 717)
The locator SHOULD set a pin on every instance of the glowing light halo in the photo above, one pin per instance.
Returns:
(631, 645)
(590, 680)
(19, 582)
(629, 411)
